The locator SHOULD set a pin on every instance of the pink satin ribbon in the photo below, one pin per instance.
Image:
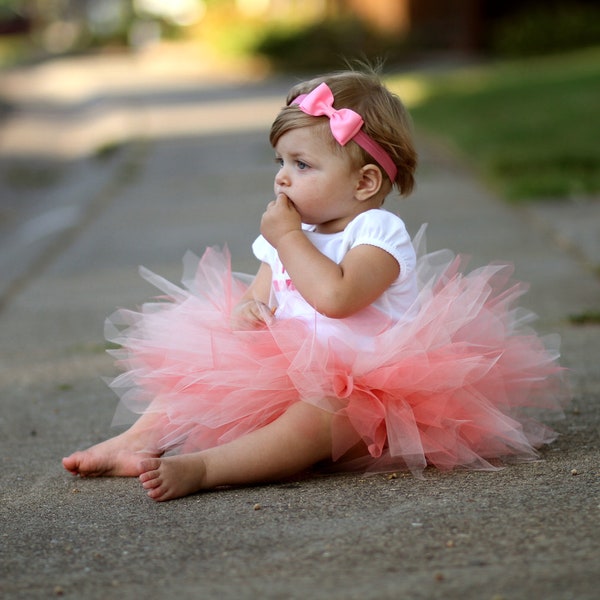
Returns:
(345, 125)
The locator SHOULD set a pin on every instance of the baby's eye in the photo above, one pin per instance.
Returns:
(279, 162)
(301, 165)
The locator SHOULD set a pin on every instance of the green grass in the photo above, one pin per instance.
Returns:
(586, 318)
(14, 49)
(530, 126)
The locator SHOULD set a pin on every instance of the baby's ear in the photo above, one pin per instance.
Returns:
(369, 182)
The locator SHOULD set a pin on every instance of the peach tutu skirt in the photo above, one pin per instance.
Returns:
(462, 383)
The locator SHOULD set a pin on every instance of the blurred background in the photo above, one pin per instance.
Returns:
(299, 34)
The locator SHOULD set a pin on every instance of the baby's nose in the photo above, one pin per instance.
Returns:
(281, 177)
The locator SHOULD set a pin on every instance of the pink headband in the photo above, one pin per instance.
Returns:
(345, 125)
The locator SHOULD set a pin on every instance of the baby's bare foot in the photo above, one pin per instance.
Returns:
(174, 476)
(118, 457)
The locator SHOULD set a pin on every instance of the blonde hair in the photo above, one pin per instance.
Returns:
(386, 120)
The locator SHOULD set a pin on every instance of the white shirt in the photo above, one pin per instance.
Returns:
(376, 227)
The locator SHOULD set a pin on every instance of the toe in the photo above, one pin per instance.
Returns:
(70, 464)
(149, 464)
(157, 494)
(146, 476)
(152, 483)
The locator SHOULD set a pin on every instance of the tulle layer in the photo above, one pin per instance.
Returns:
(459, 384)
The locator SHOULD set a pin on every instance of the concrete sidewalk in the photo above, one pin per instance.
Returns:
(186, 165)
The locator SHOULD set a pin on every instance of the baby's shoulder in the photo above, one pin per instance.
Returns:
(376, 222)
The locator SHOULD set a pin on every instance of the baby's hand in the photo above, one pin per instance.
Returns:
(251, 314)
(280, 218)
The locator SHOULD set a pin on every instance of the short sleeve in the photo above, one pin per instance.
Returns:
(387, 231)
(263, 250)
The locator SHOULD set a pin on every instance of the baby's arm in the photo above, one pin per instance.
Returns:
(335, 290)
(253, 311)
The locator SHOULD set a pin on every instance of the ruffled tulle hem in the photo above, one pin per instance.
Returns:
(462, 383)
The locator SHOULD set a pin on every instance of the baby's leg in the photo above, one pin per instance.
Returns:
(120, 455)
(297, 440)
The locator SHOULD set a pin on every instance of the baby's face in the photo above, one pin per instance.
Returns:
(319, 182)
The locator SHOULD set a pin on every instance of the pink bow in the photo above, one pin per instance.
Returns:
(344, 123)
